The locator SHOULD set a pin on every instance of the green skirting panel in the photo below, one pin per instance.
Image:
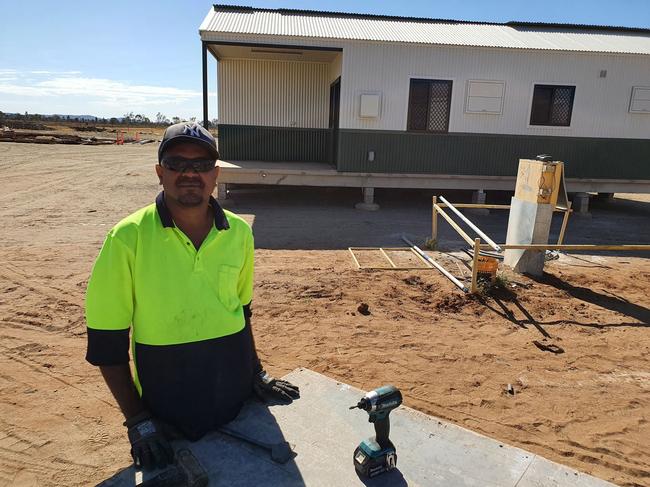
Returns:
(489, 154)
(274, 144)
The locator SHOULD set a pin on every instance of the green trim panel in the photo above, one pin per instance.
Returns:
(274, 144)
(489, 154)
(427, 153)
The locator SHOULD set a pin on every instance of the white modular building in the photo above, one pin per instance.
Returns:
(392, 101)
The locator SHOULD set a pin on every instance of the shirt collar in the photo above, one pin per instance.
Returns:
(220, 220)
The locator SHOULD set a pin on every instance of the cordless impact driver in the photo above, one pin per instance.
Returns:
(377, 455)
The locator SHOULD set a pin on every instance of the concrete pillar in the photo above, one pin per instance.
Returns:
(368, 200)
(580, 204)
(531, 212)
(478, 198)
(528, 223)
(222, 194)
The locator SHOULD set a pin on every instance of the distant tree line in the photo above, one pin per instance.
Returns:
(128, 119)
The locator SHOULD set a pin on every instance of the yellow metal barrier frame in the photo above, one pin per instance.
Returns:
(437, 208)
(392, 266)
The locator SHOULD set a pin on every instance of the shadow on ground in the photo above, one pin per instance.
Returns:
(505, 303)
(288, 217)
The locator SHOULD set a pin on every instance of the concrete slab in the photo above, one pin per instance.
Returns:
(324, 434)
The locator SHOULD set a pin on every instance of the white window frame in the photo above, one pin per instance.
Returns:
(490, 81)
(634, 89)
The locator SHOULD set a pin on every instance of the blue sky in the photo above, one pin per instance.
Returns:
(110, 58)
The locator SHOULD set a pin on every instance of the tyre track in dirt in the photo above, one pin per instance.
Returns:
(54, 406)
(42, 369)
(48, 375)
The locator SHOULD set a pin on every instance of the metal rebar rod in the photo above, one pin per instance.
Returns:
(426, 262)
(484, 253)
(354, 257)
(577, 247)
(454, 225)
(477, 206)
(489, 241)
(387, 258)
(444, 271)
(565, 220)
(491, 207)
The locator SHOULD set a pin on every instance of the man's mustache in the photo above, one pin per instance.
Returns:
(190, 182)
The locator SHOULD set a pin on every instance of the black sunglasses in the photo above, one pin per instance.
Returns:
(180, 164)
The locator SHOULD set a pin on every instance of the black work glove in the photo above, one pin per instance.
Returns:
(149, 447)
(267, 388)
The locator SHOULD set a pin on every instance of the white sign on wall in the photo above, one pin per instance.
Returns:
(640, 100)
(485, 96)
(369, 105)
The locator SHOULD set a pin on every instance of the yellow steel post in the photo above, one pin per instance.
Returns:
(477, 251)
(565, 221)
(434, 220)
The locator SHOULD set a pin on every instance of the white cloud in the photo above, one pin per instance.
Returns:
(112, 91)
(19, 90)
(63, 73)
(106, 89)
(107, 97)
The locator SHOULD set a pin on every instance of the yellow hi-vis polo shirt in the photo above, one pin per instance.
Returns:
(185, 307)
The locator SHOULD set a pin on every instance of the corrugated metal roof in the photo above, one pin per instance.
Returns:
(358, 27)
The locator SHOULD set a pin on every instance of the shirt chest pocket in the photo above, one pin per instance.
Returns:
(226, 286)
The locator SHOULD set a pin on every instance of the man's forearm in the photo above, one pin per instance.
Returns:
(257, 365)
(120, 382)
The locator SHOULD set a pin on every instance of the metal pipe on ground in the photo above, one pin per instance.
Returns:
(484, 253)
(444, 271)
(580, 247)
(478, 231)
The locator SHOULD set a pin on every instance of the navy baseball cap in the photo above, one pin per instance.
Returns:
(189, 132)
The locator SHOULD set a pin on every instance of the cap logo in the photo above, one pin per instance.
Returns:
(192, 130)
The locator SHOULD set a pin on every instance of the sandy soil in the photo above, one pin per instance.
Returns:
(451, 355)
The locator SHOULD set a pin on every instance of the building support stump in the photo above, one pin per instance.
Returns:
(368, 203)
(223, 197)
(478, 198)
(580, 204)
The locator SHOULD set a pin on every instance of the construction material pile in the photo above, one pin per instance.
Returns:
(9, 135)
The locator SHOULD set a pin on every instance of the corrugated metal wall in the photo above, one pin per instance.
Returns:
(274, 144)
(273, 93)
(490, 155)
(600, 107)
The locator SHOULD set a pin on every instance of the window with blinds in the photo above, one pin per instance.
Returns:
(552, 105)
(429, 105)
